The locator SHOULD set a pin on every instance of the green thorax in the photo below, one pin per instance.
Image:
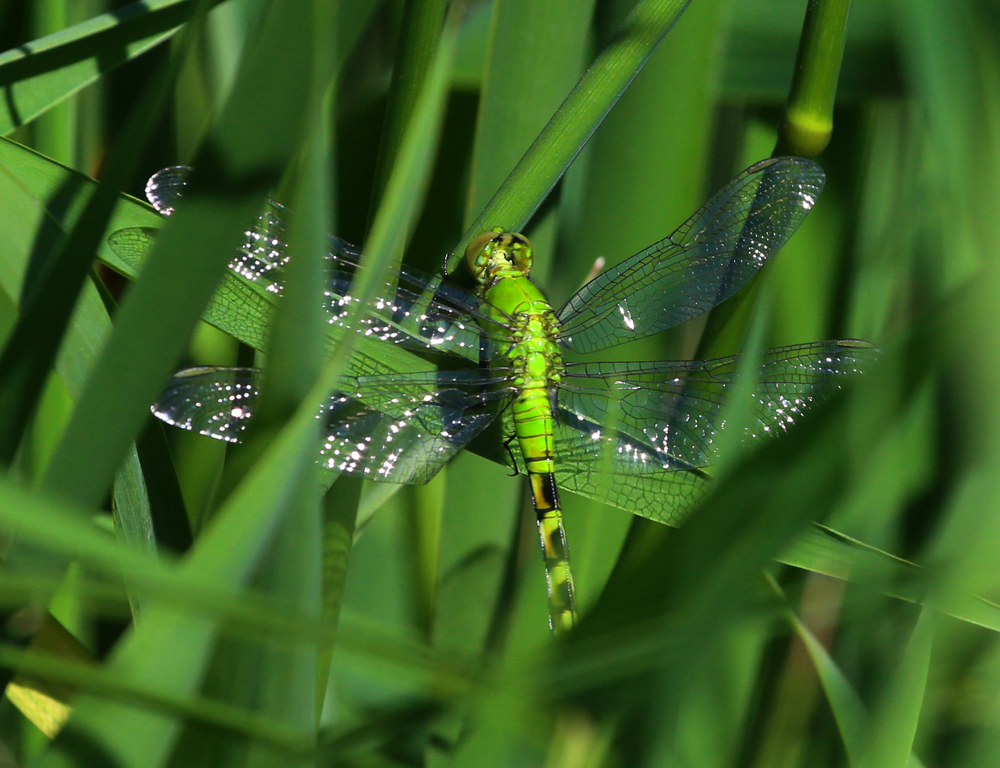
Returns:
(501, 262)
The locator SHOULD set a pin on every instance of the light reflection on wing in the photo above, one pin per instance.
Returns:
(427, 417)
(700, 265)
(676, 407)
(619, 469)
(423, 313)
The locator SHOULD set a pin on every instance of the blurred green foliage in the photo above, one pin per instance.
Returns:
(832, 602)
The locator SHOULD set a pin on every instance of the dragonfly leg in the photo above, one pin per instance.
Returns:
(513, 460)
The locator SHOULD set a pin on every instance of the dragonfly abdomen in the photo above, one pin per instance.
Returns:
(533, 425)
(558, 576)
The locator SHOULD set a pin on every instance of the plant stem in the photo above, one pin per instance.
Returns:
(805, 131)
(808, 120)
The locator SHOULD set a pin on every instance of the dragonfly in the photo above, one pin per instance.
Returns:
(637, 435)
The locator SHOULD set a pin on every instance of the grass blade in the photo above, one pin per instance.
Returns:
(44, 72)
(577, 118)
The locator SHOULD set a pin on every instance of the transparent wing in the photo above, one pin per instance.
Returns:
(427, 419)
(166, 187)
(132, 244)
(431, 416)
(618, 469)
(421, 313)
(675, 407)
(258, 259)
(704, 262)
(217, 402)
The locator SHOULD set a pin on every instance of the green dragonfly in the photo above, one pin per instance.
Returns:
(637, 435)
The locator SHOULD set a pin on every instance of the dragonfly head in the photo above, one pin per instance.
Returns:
(497, 251)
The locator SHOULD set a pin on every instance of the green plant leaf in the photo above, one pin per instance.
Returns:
(44, 72)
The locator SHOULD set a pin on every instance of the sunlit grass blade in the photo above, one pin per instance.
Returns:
(40, 74)
(115, 687)
(132, 514)
(45, 702)
(58, 275)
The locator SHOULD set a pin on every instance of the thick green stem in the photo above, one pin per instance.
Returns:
(805, 131)
(808, 121)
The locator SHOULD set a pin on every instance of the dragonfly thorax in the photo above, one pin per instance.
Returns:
(535, 353)
(532, 328)
(497, 254)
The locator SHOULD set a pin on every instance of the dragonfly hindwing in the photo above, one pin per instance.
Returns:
(398, 428)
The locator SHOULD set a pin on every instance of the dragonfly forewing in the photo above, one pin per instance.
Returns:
(414, 310)
(704, 262)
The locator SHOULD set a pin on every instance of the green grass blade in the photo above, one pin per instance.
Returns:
(55, 133)
(823, 550)
(516, 102)
(114, 687)
(169, 654)
(848, 709)
(231, 549)
(61, 530)
(890, 742)
(577, 118)
(58, 276)
(404, 194)
(263, 675)
(171, 523)
(241, 159)
(296, 342)
(132, 514)
(88, 328)
(418, 41)
(44, 72)
(805, 131)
